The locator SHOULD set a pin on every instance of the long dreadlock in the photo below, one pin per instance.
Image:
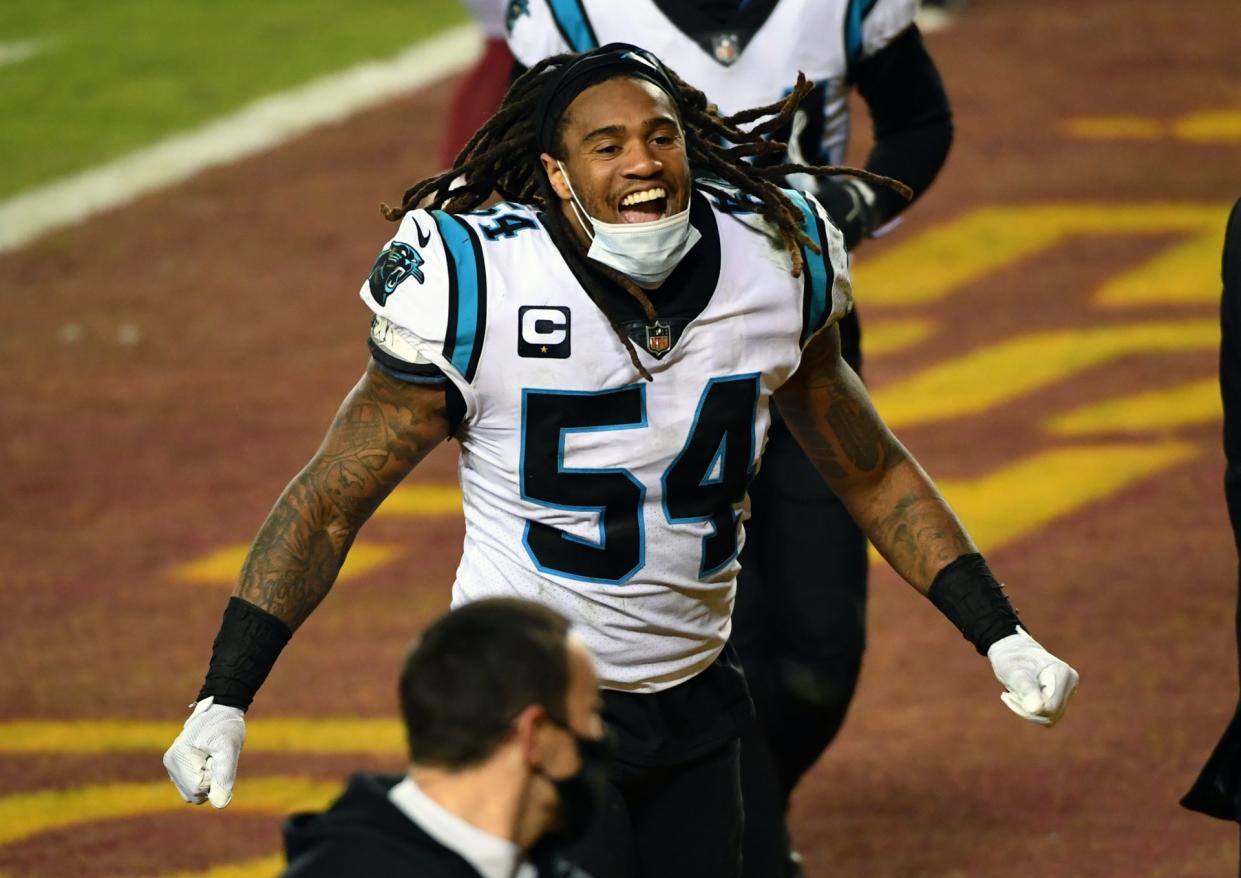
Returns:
(502, 157)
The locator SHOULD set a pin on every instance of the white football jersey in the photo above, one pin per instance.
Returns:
(615, 500)
(736, 70)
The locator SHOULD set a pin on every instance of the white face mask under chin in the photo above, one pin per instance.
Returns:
(644, 252)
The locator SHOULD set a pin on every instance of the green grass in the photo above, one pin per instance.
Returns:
(119, 74)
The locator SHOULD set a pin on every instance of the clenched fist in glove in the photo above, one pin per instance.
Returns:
(202, 761)
(1038, 684)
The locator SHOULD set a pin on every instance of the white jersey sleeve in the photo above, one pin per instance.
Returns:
(877, 24)
(534, 31)
(828, 288)
(425, 290)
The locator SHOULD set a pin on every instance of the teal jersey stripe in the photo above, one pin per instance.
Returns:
(461, 340)
(571, 19)
(857, 12)
(816, 268)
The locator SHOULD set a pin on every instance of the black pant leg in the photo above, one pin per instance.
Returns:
(608, 851)
(816, 613)
(765, 844)
(687, 819)
(810, 578)
(765, 841)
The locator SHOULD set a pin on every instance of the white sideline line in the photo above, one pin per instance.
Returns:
(15, 53)
(266, 123)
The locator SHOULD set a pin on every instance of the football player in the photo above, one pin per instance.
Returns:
(605, 345)
(799, 623)
(482, 87)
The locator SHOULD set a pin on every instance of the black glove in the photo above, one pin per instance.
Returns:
(851, 205)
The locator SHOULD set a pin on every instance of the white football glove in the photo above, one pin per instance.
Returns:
(202, 761)
(1038, 684)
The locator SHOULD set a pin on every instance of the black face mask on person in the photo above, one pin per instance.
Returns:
(582, 793)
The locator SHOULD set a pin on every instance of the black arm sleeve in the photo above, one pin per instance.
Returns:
(911, 116)
(1230, 374)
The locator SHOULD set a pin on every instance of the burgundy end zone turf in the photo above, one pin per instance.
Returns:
(122, 461)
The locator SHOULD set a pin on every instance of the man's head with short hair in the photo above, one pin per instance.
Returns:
(470, 674)
(498, 698)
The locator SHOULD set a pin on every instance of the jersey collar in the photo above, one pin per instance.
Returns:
(681, 298)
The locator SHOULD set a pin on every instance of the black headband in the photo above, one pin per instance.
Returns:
(589, 68)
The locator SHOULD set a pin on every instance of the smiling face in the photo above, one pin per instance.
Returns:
(624, 151)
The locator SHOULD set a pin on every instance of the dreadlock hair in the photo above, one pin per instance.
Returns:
(503, 157)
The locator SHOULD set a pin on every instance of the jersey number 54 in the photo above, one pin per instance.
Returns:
(706, 481)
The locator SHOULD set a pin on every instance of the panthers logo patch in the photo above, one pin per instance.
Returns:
(516, 9)
(395, 264)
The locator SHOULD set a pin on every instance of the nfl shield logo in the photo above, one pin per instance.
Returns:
(726, 47)
(658, 338)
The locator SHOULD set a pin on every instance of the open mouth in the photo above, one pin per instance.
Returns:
(645, 206)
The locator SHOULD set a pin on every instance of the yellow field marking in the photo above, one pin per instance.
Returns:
(1024, 496)
(260, 867)
(1211, 126)
(1185, 273)
(890, 336)
(937, 263)
(1208, 126)
(983, 378)
(25, 814)
(332, 735)
(421, 501)
(1114, 128)
(222, 564)
(1154, 411)
(1020, 498)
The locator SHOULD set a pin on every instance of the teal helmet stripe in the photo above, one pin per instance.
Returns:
(574, 26)
(467, 294)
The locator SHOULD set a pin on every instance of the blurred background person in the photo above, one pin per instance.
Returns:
(800, 619)
(1217, 791)
(480, 90)
(501, 708)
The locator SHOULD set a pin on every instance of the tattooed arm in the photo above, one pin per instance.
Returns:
(383, 428)
(887, 492)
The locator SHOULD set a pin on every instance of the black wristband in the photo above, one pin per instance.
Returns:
(973, 599)
(243, 654)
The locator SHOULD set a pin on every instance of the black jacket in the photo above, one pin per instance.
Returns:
(1217, 791)
(364, 834)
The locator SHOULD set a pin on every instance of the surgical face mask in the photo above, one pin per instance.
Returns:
(581, 794)
(644, 252)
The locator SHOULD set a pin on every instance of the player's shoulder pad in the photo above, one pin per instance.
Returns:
(501, 222)
(534, 29)
(429, 285)
(872, 24)
(826, 284)
(735, 204)
(726, 197)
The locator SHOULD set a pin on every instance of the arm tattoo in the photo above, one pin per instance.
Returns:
(382, 430)
(829, 412)
(919, 535)
(892, 499)
(860, 436)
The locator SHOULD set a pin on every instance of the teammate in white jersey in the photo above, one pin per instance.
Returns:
(605, 345)
(799, 624)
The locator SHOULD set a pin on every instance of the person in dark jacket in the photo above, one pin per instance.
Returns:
(1217, 791)
(507, 758)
